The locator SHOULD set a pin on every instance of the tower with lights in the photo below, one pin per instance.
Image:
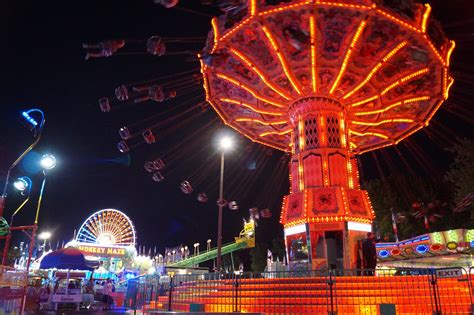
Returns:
(326, 81)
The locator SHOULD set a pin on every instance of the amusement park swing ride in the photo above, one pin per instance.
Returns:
(324, 82)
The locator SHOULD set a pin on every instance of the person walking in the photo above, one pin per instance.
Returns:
(369, 254)
(107, 297)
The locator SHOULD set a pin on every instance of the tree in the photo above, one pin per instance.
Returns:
(258, 256)
(461, 176)
(278, 248)
(399, 192)
(14, 253)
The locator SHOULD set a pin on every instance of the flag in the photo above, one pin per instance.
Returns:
(254, 213)
(266, 213)
(427, 223)
(394, 225)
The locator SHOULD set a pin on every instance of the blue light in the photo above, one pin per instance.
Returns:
(384, 253)
(472, 244)
(29, 118)
(421, 249)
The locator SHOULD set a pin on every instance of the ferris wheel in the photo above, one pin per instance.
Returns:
(107, 227)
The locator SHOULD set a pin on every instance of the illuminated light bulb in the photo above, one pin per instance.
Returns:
(48, 161)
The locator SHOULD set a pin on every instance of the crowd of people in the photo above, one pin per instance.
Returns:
(41, 295)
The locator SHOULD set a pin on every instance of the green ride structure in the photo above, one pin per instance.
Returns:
(246, 239)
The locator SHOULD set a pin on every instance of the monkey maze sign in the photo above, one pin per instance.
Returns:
(102, 251)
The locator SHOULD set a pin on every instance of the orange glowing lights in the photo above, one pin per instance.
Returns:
(349, 174)
(283, 8)
(425, 17)
(323, 132)
(397, 20)
(344, 5)
(279, 133)
(253, 7)
(215, 29)
(237, 102)
(325, 172)
(404, 79)
(385, 121)
(364, 101)
(300, 174)
(452, 45)
(283, 62)
(434, 50)
(235, 28)
(312, 28)
(344, 201)
(446, 92)
(355, 39)
(246, 88)
(382, 110)
(320, 219)
(259, 72)
(376, 68)
(265, 123)
(301, 134)
(376, 134)
(342, 127)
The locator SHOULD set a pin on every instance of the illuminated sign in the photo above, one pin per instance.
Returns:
(102, 251)
(356, 226)
(449, 273)
(295, 229)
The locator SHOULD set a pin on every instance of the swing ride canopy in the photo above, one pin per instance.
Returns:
(386, 68)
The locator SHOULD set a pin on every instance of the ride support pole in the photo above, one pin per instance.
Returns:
(5, 250)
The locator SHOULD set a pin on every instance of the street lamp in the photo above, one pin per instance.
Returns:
(46, 235)
(24, 185)
(47, 162)
(225, 144)
(37, 127)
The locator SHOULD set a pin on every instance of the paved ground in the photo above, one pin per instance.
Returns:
(111, 312)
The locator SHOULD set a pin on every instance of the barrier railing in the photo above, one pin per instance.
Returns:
(388, 291)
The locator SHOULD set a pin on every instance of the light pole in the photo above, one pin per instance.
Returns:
(47, 162)
(37, 128)
(225, 144)
(23, 184)
(44, 236)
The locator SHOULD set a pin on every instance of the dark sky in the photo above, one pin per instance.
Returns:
(42, 65)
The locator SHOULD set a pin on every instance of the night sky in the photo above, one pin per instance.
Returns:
(42, 65)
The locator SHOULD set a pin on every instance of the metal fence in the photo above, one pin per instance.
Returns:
(389, 291)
